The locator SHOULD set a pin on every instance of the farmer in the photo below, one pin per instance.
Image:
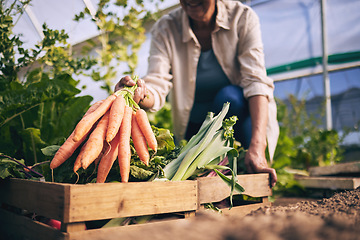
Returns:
(206, 53)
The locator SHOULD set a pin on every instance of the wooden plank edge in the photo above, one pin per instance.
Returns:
(214, 189)
(153, 230)
(337, 169)
(242, 211)
(332, 183)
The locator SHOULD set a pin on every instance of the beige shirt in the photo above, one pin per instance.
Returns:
(237, 44)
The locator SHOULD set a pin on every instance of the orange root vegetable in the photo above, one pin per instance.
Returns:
(77, 163)
(124, 153)
(105, 149)
(115, 118)
(139, 141)
(145, 127)
(95, 143)
(85, 124)
(107, 161)
(69, 146)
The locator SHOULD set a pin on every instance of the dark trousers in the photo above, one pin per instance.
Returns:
(238, 107)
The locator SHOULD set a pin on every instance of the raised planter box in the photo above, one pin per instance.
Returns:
(74, 205)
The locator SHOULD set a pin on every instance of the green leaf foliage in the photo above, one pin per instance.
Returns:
(9, 169)
(39, 113)
(41, 108)
(303, 142)
(13, 168)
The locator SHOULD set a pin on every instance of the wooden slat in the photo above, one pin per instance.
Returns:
(46, 199)
(13, 226)
(73, 227)
(213, 189)
(338, 169)
(155, 230)
(112, 200)
(242, 211)
(332, 183)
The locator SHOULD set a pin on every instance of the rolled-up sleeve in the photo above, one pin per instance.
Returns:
(158, 77)
(254, 79)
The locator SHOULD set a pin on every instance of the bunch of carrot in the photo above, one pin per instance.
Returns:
(105, 130)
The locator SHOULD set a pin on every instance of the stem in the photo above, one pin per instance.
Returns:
(33, 147)
(17, 114)
(128, 93)
(29, 168)
(40, 163)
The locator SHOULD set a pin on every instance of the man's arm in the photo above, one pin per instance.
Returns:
(255, 160)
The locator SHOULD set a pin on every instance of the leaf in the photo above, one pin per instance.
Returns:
(140, 173)
(231, 182)
(35, 93)
(32, 143)
(72, 113)
(164, 139)
(9, 168)
(50, 150)
(34, 76)
(227, 180)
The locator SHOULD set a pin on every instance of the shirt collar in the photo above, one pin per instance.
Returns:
(222, 18)
(222, 21)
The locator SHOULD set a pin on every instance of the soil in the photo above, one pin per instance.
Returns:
(336, 217)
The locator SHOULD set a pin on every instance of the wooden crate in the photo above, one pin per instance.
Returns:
(74, 205)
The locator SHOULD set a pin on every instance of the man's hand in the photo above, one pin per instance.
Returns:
(255, 162)
(141, 94)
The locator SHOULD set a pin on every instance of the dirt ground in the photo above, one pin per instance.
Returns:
(336, 217)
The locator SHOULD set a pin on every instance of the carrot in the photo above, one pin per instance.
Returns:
(69, 146)
(144, 124)
(85, 124)
(95, 143)
(115, 117)
(102, 153)
(77, 163)
(139, 141)
(107, 160)
(124, 153)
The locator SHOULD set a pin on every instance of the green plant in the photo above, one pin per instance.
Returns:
(162, 118)
(122, 32)
(313, 145)
(302, 143)
(40, 109)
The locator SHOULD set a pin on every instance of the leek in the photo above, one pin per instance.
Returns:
(214, 150)
(214, 125)
(170, 169)
(206, 149)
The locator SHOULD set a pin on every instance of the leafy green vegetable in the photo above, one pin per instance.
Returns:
(206, 150)
(13, 168)
(9, 169)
